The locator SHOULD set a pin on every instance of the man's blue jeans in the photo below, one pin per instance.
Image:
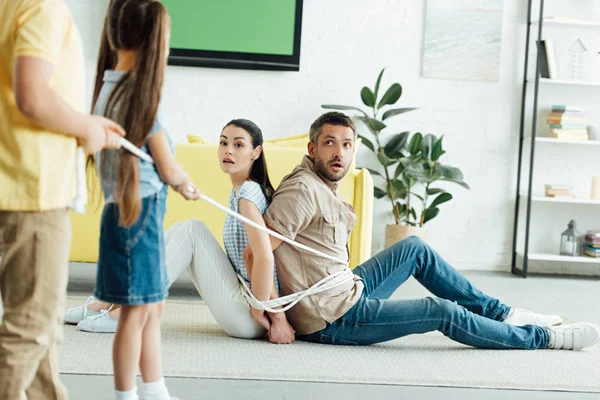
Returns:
(460, 312)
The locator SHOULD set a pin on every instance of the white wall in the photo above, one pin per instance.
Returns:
(344, 45)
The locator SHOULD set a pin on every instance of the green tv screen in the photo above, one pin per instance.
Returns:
(246, 34)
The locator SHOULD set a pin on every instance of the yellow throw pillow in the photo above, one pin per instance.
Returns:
(195, 139)
(297, 141)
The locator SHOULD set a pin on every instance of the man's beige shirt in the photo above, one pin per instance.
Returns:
(307, 209)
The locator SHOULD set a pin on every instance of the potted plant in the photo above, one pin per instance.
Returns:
(409, 169)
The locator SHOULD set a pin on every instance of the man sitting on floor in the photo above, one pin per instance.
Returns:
(307, 209)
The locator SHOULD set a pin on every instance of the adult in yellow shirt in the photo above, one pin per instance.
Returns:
(41, 123)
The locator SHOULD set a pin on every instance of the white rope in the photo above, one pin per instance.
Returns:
(327, 283)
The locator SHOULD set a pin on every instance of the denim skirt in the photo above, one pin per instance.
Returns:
(131, 265)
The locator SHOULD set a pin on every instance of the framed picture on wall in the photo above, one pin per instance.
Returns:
(243, 34)
(463, 39)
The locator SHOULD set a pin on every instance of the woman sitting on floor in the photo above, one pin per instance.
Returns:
(191, 245)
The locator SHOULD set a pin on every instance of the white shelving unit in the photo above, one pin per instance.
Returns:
(559, 258)
(542, 199)
(522, 255)
(541, 139)
(568, 22)
(547, 81)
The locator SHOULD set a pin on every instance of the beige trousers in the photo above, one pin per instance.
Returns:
(33, 283)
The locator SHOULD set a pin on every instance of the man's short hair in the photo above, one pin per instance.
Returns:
(331, 118)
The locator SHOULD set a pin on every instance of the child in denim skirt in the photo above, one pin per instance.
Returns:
(131, 265)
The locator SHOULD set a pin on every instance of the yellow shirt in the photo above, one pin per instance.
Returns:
(38, 167)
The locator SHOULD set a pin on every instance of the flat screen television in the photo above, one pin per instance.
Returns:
(244, 34)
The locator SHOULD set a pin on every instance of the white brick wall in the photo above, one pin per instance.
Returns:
(344, 45)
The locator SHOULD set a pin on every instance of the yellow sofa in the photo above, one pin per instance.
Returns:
(200, 160)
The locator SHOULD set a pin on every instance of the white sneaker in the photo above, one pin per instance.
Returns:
(101, 323)
(576, 336)
(75, 315)
(520, 317)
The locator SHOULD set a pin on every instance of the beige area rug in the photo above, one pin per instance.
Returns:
(195, 346)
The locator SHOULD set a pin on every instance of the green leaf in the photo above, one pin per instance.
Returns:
(432, 191)
(342, 108)
(413, 213)
(415, 144)
(373, 172)
(375, 126)
(395, 145)
(416, 171)
(417, 196)
(430, 214)
(385, 160)
(427, 145)
(399, 169)
(442, 198)
(395, 111)
(400, 189)
(379, 193)
(391, 96)
(451, 174)
(367, 143)
(377, 84)
(367, 97)
(437, 151)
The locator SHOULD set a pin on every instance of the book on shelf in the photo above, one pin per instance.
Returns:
(591, 253)
(569, 136)
(576, 127)
(559, 186)
(558, 108)
(594, 233)
(565, 118)
(559, 191)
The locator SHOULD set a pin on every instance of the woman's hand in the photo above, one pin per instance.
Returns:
(281, 331)
(261, 317)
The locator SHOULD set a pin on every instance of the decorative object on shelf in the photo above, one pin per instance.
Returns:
(591, 246)
(463, 39)
(568, 123)
(595, 188)
(559, 191)
(408, 168)
(570, 241)
(547, 60)
(577, 58)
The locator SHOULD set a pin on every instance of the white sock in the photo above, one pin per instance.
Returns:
(129, 395)
(520, 317)
(155, 390)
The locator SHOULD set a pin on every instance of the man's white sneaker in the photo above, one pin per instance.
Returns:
(75, 315)
(520, 317)
(101, 323)
(576, 336)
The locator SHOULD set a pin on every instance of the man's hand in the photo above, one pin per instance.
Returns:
(260, 317)
(281, 331)
(100, 133)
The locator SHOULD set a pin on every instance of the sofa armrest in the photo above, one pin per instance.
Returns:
(360, 241)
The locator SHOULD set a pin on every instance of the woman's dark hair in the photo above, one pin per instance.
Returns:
(258, 173)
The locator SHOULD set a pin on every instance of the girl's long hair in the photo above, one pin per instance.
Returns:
(258, 173)
(141, 26)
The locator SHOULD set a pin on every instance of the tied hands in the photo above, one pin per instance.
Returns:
(280, 331)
